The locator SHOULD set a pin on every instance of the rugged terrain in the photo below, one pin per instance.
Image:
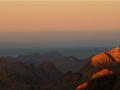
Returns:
(103, 71)
(100, 72)
(18, 75)
(62, 62)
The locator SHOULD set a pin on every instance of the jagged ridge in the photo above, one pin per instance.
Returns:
(109, 60)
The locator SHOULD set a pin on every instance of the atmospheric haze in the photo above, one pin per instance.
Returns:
(59, 23)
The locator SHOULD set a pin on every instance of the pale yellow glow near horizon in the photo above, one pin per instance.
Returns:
(59, 15)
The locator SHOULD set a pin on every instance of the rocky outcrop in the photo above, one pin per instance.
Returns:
(102, 73)
(82, 86)
(102, 59)
(96, 69)
(115, 53)
(102, 80)
(109, 60)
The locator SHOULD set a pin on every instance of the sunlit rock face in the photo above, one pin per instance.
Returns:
(106, 60)
(102, 73)
(102, 80)
(82, 86)
(102, 59)
(115, 53)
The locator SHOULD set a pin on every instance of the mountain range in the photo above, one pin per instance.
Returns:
(17, 74)
(62, 62)
(100, 72)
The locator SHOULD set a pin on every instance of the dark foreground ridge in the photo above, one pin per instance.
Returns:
(19, 76)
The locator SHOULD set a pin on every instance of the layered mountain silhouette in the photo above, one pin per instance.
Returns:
(70, 63)
(37, 58)
(102, 68)
(62, 62)
(43, 72)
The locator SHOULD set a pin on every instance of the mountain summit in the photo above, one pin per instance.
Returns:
(109, 60)
(101, 59)
(115, 53)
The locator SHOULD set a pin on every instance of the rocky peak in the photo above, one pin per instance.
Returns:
(102, 73)
(115, 53)
(109, 60)
(115, 50)
(101, 59)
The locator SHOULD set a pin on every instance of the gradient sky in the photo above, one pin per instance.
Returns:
(59, 23)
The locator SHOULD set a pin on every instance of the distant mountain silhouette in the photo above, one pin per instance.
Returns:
(36, 58)
(62, 62)
(70, 63)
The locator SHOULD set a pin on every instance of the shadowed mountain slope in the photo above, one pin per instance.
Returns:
(18, 75)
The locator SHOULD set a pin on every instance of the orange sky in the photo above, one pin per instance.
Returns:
(59, 23)
(59, 15)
